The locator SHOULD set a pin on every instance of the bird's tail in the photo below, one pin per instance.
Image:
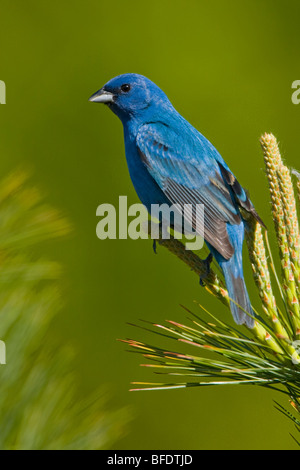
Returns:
(237, 291)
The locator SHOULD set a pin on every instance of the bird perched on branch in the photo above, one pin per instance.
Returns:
(170, 162)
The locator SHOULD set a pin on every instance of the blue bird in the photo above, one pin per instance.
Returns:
(169, 161)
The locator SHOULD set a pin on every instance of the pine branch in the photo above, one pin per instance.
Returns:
(267, 355)
(39, 403)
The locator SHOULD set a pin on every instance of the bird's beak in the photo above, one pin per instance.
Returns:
(102, 96)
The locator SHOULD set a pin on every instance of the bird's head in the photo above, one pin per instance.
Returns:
(130, 95)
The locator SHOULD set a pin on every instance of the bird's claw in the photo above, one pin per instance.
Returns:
(207, 263)
(155, 241)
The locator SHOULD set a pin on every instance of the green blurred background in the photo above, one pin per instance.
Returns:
(227, 66)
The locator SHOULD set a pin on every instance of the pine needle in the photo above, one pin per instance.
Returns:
(220, 354)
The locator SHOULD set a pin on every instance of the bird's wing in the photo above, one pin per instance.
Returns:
(239, 193)
(188, 172)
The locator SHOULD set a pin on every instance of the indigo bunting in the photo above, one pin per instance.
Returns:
(170, 162)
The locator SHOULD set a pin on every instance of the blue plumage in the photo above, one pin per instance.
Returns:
(169, 161)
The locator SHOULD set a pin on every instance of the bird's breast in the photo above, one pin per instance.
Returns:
(145, 186)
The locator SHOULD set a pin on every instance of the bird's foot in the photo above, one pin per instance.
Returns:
(162, 231)
(205, 275)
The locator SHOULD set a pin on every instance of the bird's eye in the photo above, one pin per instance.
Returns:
(125, 88)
